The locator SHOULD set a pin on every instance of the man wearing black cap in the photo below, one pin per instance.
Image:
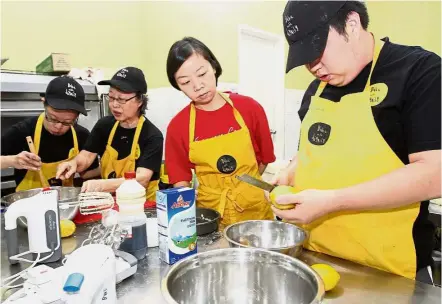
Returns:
(369, 152)
(56, 135)
(126, 141)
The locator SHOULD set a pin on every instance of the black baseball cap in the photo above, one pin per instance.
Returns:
(65, 93)
(306, 27)
(128, 80)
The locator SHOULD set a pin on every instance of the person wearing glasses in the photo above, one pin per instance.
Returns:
(126, 141)
(56, 127)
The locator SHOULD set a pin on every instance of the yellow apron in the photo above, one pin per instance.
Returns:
(31, 179)
(112, 167)
(341, 146)
(217, 161)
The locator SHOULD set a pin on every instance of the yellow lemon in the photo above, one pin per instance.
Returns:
(281, 190)
(68, 245)
(67, 228)
(328, 274)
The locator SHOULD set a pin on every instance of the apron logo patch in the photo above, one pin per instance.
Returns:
(319, 133)
(226, 164)
(112, 175)
(378, 92)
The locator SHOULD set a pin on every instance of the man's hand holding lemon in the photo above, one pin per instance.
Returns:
(302, 207)
(309, 205)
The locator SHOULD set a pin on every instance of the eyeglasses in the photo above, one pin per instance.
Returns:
(120, 101)
(64, 123)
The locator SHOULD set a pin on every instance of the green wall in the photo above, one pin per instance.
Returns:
(109, 35)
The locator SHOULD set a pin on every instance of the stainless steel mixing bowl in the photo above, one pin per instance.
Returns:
(241, 276)
(271, 235)
(65, 195)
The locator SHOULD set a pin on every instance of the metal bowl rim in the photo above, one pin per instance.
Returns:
(218, 216)
(74, 210)
(273, 249)
(3, 198)
(320, 284)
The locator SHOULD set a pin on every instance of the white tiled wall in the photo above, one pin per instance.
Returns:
(292, 122)
(165, 103)
(292, 102)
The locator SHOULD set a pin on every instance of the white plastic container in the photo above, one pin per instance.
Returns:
(130, 197)
(152, 232)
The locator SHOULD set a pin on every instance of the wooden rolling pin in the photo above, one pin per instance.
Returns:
(43, 180)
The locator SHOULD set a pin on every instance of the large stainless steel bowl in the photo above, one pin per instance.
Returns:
(65, 195)
(271, 235)
(241, 276)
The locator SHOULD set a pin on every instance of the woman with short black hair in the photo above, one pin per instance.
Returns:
(220, 135)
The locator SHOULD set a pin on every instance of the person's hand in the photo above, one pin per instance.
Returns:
(283, 177)
(27, 160)
(310, 205)
(66, 169)
(94, 185)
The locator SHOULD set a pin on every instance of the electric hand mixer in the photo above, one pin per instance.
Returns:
(42, 214)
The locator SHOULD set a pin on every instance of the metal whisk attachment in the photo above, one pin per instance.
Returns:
(110, 236)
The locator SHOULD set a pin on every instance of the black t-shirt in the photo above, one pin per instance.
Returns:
(409, 117)
(150, 142)
(52, 148)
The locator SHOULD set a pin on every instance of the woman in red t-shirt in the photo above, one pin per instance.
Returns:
(219, 135)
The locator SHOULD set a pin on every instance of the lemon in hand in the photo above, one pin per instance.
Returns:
(281, 190)
(328, 274)
(67, 228)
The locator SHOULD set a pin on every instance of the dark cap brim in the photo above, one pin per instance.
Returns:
(122, 86)
(65, 104)
(307, 49)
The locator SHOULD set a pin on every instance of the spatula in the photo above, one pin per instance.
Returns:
(43, 180)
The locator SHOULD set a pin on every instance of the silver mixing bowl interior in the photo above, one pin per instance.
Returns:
(65, 195)
(241, 276)
(277, 236)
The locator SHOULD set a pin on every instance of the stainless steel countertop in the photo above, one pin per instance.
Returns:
(358, 284)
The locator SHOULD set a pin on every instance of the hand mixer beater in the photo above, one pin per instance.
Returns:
(91, 202)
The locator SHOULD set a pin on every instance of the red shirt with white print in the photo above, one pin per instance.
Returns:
(214, 123)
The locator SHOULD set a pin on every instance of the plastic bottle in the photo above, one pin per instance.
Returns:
(130, 197)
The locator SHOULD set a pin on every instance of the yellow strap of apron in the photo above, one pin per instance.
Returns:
(237, 115)
(136, 137)
(377, 50)
(226, 193)
(112, 133)
(223, 201)
(192, 123)
(37, 132)
(39, 127)
(74, 136)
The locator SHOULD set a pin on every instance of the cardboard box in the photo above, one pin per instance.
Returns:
(55, 63)
(176, 212)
